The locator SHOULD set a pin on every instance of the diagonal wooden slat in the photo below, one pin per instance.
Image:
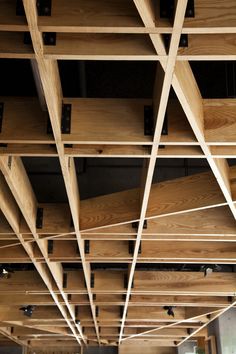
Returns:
(26, 204)
(49, 75)
(180, 214)
(161, 96)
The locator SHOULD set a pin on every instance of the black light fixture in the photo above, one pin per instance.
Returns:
(208, 269)
(5, 272)
(28, 310)
(170, 310)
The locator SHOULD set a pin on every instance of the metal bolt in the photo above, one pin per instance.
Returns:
(46, 10)
(189, 13)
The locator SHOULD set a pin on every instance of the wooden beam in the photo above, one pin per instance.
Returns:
(158, 282)
(212, 318)
(186, 251)
(44, 314)
(182, 81)
(190, 217)
(145, 283)
(19, 184)
(121, 17)
(49, 75)
(199, 191)
(177, 323)
(6, 332)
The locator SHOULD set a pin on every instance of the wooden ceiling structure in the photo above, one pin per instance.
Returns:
(182, 221)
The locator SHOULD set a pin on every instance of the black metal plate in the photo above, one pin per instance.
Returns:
(20, 11)
(27, 38)
(49, 38)
(50, 246)
(165, 126)
(167, 8)
(39, 218)
(86, 246)
(66, 119)
(44, 7)
(148, 120)
(190, 11)
(1, 115)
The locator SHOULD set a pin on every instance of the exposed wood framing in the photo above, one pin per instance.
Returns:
(189, 220)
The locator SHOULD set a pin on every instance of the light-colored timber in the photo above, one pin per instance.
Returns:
(179, 222)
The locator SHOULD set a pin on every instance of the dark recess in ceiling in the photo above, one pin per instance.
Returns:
(108, 79)
(16, 78)
(14, 267)
(114, 79)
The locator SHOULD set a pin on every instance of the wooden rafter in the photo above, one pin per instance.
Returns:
(182, 221)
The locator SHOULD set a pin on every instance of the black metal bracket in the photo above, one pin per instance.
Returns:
(64, 281)
(97, 311)
(49, 38)
(39, 218)
(131, 247)
(126, 283)
(3, 145)
(27, 38)
(69, 297)
(121, 311)
(148, 120)
(66, 118)
(94, 297)
(86, 246)
(167, 9)
(92, 280)
(136, 224)
(49, 126)
(190, 10)
(189, 331)
(183, 43)
(77, 321)
(166, 39)
(44, 7)
(165, 126)
(9, 162)
(71, 222)
(20, 11)
(50, 248)
(1, 115)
